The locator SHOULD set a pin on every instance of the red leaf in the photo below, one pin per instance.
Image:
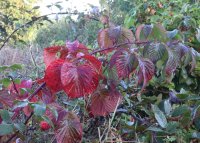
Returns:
(6, 99)
(111, 37)
(79, 80)
(47, 96)
(104, 101)
(52, 75)
(70, 130)
(27, 110)
(50, 54)
(171, 64)
(104, 40)
(61, 112)
(76, 47)
(94, 62)
(24, 84)
(145, 72)
(125, 62)
(104, 19)
(142, 32)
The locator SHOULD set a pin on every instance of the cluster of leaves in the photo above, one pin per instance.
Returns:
(181, 15)
(13, 14)
(132, 75)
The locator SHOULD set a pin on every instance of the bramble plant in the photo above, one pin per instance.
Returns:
(119, 79)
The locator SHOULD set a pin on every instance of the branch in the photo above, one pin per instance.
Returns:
(36, 91)
(14, 86)
(29, 98)
(117, 46)
(15, 134)
(33, 20)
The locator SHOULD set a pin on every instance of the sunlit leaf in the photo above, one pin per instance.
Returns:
(75, 47)
(51, 54)
(79, 80)
(52, 75)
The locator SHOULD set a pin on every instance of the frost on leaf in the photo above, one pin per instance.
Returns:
(79, 80)
(53, 53)
(52, 75)
(125, 62)
(70, 129)
(145, 72)
(104, 101)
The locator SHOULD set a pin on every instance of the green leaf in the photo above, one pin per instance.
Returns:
(6, 129)
(171, 127)
(36, 7)
(20, 104)
(16, 67)
(5, 116)
(54, 111)
(160, 117)
(167, 107)
(3, 68)
(172, 34)
(158, 33)
(39, 109)
(155, 129)
(6, 82)
(179, 110)
(196, 135)
(20, 127)
(48, 121)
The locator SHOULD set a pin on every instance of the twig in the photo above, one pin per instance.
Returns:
(110, 121)
(29, 98)
(36, 91)
(15, 88)
(15, 134)
(29, 22)
(117, 46)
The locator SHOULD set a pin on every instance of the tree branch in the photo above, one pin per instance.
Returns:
(34, 19)
(117, 46)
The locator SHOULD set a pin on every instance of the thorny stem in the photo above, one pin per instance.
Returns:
(15, 115)
(36, 91)
(15, 88)
(15, 134)
(117, 46)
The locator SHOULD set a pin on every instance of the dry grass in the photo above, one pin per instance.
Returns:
(30, 56)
